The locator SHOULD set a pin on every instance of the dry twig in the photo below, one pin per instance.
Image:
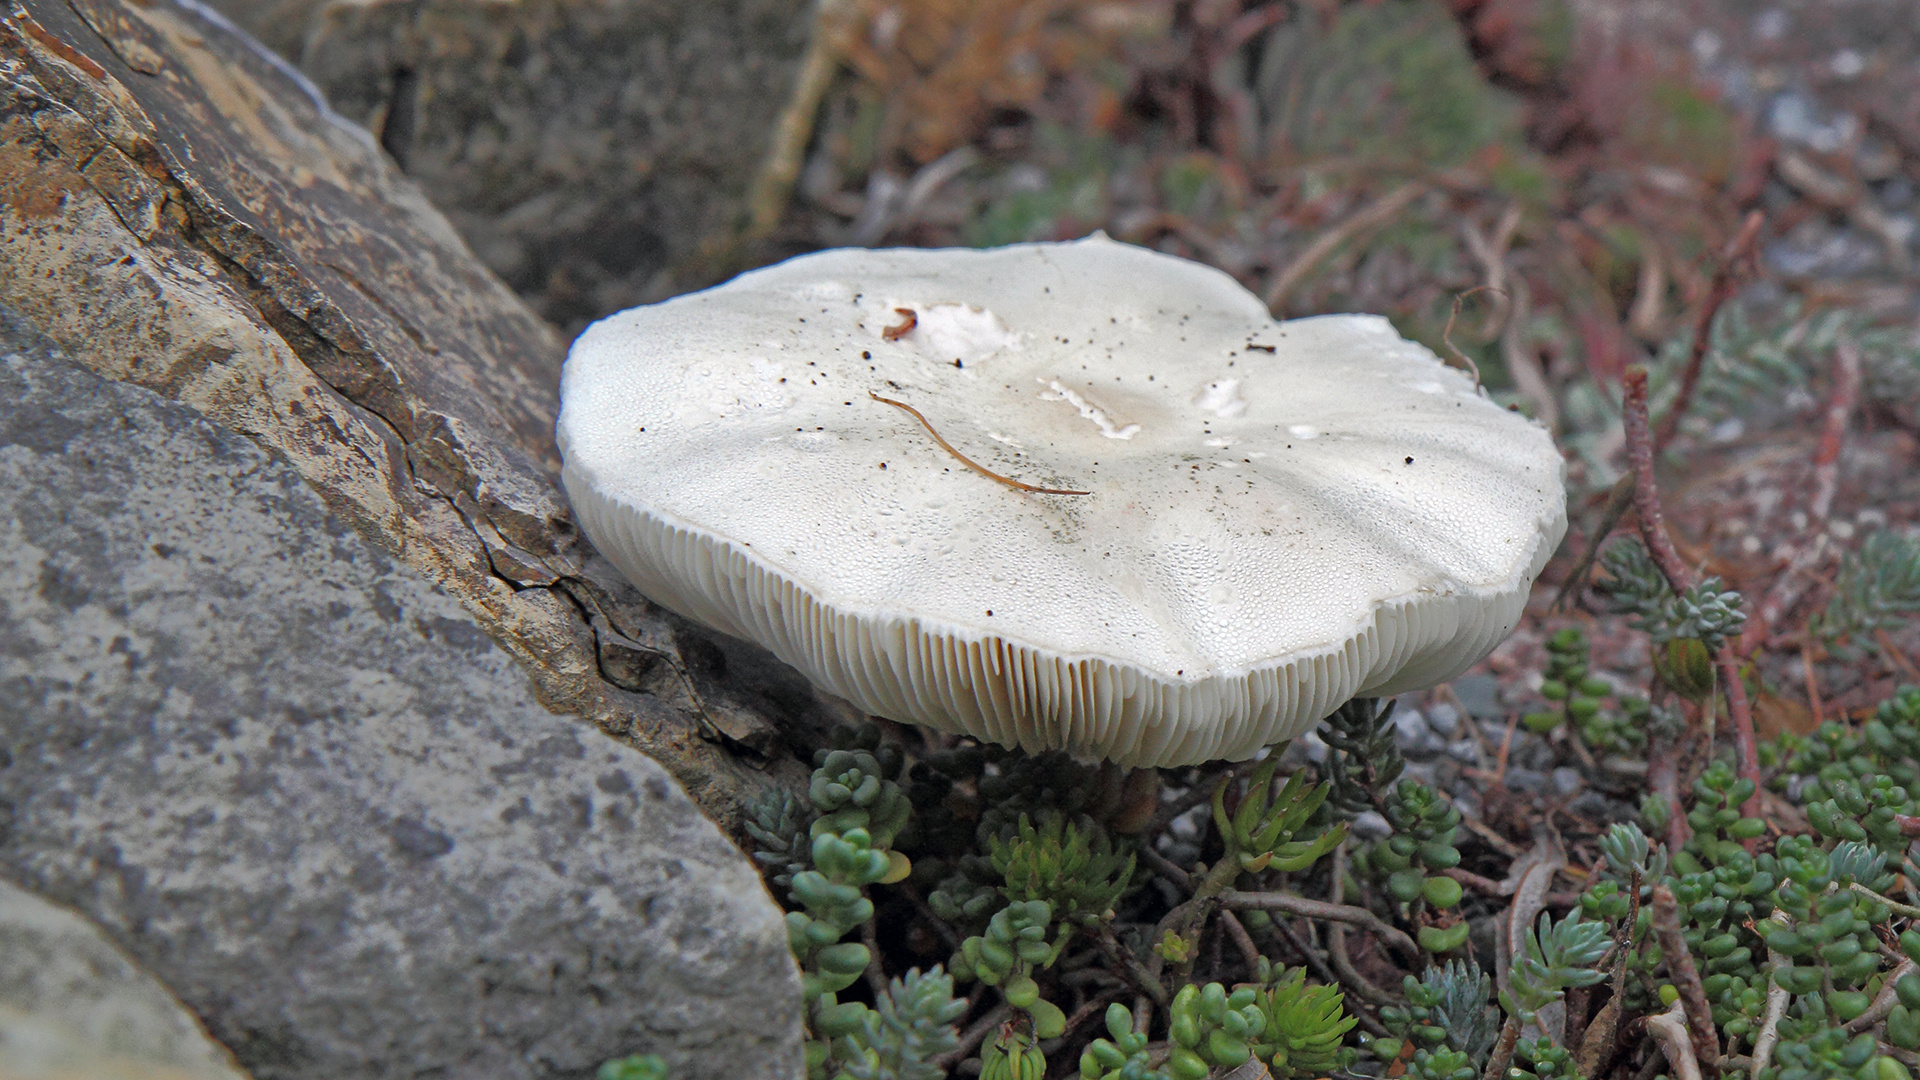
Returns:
(1726, 281)
(834, 24)
(1287, 903)
(1376, 213)
(1778, 997)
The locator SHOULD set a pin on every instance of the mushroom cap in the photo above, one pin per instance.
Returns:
(1281, 516)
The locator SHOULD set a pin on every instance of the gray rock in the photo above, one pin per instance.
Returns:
(73, 1005)
(1480, 694)
(586, 149)
(1816, 249)
(1371, 825)
(1443, 718)
(298, 782)
(1415, 738)
(182, 211)
(1567, 780)
(1525, 780)
(1466, 751)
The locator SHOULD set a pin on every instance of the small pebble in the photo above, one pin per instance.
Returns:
(1313, 746)
(1525, 780)
(1465, 751)
(1480, 694)
(1443, 718)
(1188, 826)
(1567, 780)
(1371, 826)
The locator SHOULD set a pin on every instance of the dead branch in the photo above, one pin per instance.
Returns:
(1287, 903)
(834, 24)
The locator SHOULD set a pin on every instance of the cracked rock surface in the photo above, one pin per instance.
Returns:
(299, 783)
(180, 210)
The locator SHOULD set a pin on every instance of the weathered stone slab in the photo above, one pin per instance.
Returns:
(586, 149)
(300, 783)
(180, 210)
(72, 1005)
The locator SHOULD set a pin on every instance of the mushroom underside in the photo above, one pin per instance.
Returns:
(1017, 693)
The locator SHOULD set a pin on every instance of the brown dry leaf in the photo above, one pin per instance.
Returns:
(1774, 716)
(944, 65)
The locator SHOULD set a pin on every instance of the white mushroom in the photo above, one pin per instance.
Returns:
(1279, 516)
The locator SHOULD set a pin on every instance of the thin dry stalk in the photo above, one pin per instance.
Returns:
(1502, 1055)
(1337, 939)
(834, 24)
(1882, 1005)
(964, 459)
(1833, 429)
(1726, 281)
(1376, 213)
(1446, 335)
(1646, 495)
(971, 1039)
(1242, 941)
(1802, 557)
(1523, 362)
(1287, 903)
(876, 972)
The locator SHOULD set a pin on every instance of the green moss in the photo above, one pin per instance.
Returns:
(1385, 82)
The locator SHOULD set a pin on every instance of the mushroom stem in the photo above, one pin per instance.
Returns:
(967, 461)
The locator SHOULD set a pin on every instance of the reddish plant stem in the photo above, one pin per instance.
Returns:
(1646, 496)
(1745, 746)
(1653, 530)
(1685, 976)
(1663, 782)
(1799, 558)
(1726, 281)
(1833, 428)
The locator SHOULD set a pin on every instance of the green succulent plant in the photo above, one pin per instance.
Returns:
(1555, 959)
(1447, 1008)
(1687, 629)
(634, 1067)
(909, 1026)
(1260, 832)
(1306, 1025)
(1877, 588)
(1363, 757)
(1414, 859)
(1072, 866)
(1209, 1026)
(1608, 722)
(1122, 1055)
